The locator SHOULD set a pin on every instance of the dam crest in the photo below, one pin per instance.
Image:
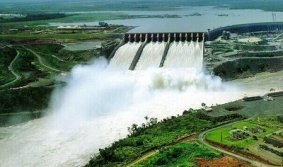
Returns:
(139, 51)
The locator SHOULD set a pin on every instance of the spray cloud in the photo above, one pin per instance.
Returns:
(98, 104)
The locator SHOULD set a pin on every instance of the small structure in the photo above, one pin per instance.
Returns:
(82, 27)
(275, 94)
(103, 24)
(253, 98)
(226, 35)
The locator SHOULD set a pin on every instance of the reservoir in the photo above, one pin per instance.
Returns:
(192, 19)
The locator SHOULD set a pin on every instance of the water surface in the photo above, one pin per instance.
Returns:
(210, 18)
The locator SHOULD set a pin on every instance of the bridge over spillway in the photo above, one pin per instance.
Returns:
(139, 51)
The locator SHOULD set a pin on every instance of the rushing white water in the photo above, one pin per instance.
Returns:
(185, 55)
(151, 55)
(98, 104)
(125, 55)
(96, 107)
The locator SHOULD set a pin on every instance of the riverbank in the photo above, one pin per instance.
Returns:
(172, 152)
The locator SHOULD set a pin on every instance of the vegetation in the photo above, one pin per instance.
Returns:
(7, 55)
(221, 47)
(223, 118)
(58, 36)
(53, 56)
(273, 142)
(28, 65)
(32, 91)
(280, 118)
(160, 144)
(163, 136)
(148, 137)
(32, 17)
(181, 154)
(251, 131)
(41, 51)
(42, 56)
(245, 67)
(29, 99)
(279, 153)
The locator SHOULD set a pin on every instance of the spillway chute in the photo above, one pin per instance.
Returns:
(169, 50)
(125, 55)
(151, 55)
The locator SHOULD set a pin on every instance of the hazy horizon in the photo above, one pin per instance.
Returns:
(30, 6)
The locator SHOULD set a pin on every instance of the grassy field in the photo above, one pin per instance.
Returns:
(64, 37)
(182, 155)
(267, 126)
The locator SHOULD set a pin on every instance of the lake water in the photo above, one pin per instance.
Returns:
(209, 19)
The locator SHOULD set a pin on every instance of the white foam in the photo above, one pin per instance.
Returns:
(125, 55)
(96, 107)
(185, 55)
(151, 56)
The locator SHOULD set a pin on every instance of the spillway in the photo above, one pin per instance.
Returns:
(168, 50)
(184, 54)
(96, 106)
(151, 55)
(125, 55)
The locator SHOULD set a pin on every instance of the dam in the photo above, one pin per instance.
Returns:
(139, 51)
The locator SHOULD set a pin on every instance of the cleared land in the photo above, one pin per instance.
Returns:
(248, 138)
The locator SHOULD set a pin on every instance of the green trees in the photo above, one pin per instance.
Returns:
(6, 57)
(33, 17)
(149, 136)
(181, 154)
(135, 129)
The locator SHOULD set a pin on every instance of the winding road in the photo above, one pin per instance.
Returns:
(185, 138)
(17, 76)
(201, 138)
(58, 58)
(41, 60)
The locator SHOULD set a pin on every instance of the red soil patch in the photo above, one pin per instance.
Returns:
(222, 162)
(240, 152)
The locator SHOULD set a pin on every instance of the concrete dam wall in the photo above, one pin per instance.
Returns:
(245, 28)
(139, 51)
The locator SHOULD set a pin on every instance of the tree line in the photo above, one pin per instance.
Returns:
(33, 17)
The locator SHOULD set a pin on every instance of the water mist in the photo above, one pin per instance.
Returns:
(97, 105)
